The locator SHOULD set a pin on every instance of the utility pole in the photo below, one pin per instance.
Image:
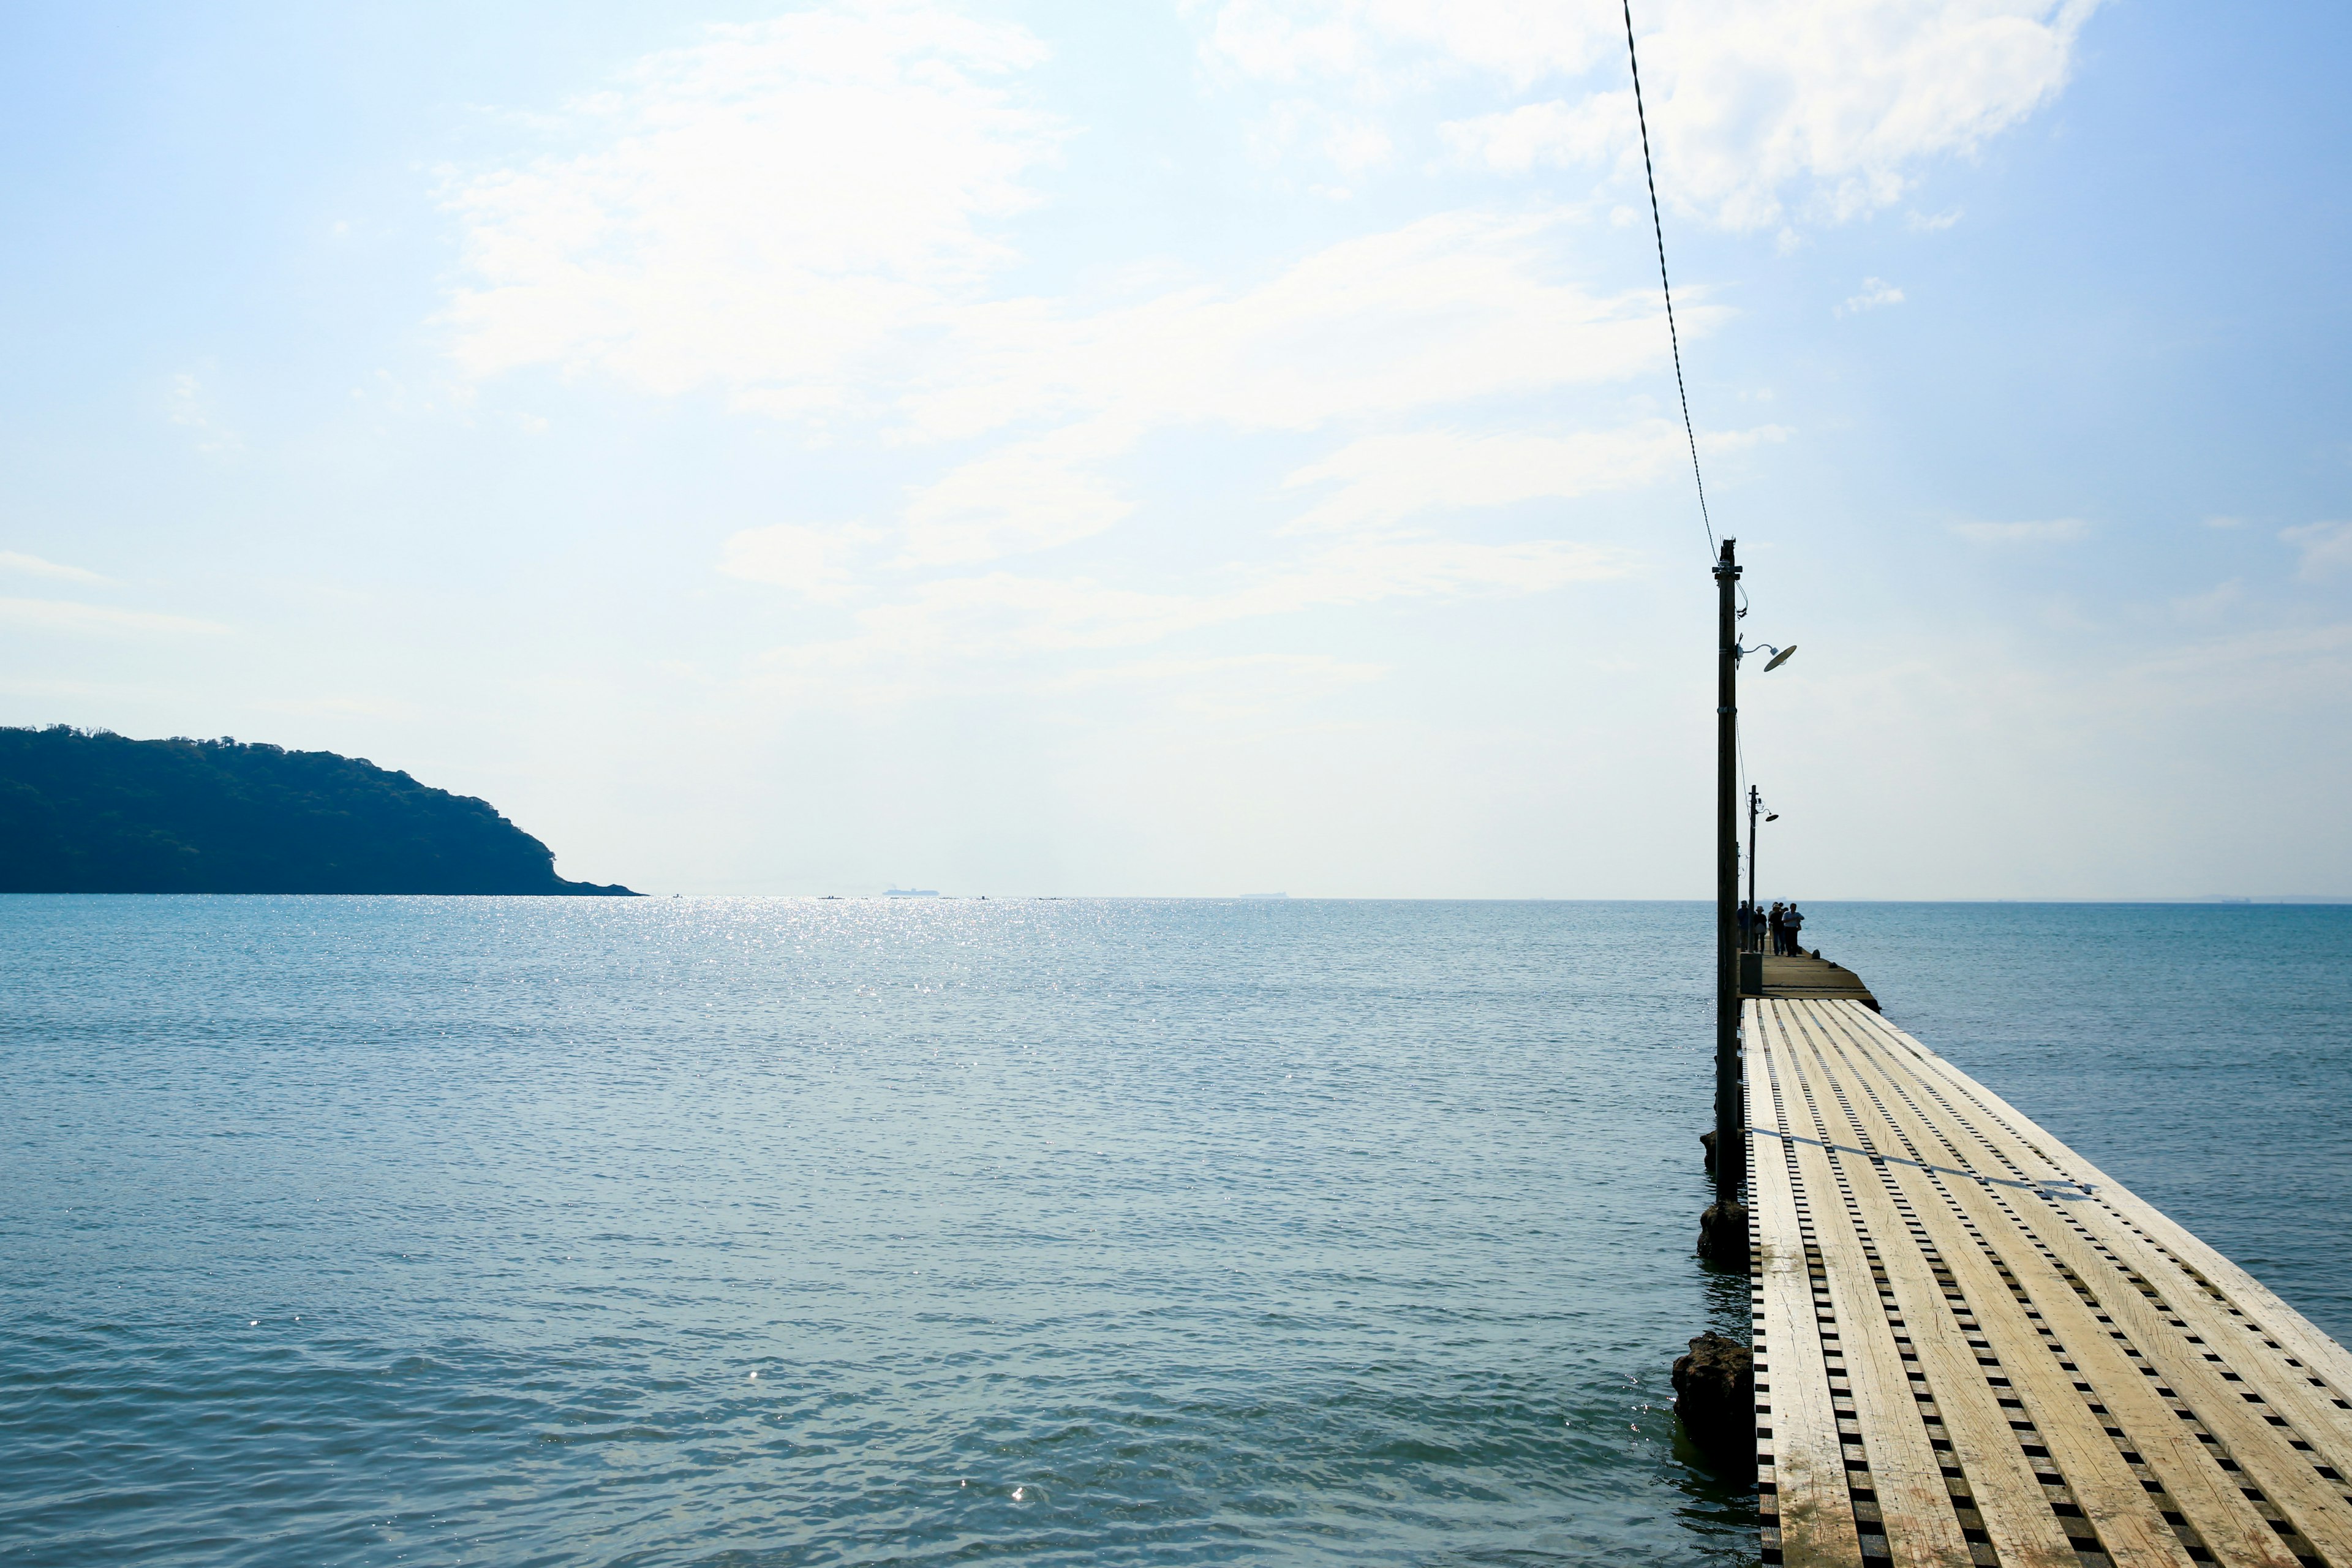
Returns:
(1730, 1140)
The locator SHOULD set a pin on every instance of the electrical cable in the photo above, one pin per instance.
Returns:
(1658, 227)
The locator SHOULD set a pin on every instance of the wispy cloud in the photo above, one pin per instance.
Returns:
(1819, 109)
(811, 561)
(1241, 687)
(683, 232)
(901, 644)
(768, 209)
(190, 406)
(65, 616)
(1875, 291)
(2216, 603)
(2326, 548)
(1382, 480)
(1025, 496)
(689, 239)
(2304, 654)
(2056, 531)
(34, 566)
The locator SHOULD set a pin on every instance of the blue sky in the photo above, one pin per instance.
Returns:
(1224, 445)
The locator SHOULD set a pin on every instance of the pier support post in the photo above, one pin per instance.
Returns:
(1714, 1394)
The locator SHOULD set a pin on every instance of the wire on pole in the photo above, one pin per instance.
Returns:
(1658, 227)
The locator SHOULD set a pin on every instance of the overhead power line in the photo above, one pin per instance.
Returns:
(1658, 227)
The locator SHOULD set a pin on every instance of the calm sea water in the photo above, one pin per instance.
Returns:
(424, 1231)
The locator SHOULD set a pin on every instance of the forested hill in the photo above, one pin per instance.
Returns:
(90, 812)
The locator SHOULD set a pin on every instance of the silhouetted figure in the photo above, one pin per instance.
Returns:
(1794, 921)
(1774, 926)
(1746, 916)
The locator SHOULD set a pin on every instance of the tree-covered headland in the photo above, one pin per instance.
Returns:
(87, 811)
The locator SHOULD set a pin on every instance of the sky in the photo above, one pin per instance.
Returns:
(1207, 446)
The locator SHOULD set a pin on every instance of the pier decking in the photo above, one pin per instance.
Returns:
(1799, 978)
(1973, 1347)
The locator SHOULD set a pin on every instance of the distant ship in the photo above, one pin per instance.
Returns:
(910, 892)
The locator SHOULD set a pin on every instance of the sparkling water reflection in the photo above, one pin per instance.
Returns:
(365, 1231)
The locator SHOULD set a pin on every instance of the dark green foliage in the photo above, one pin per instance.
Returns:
(90, 812)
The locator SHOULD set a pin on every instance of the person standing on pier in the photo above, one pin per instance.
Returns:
(1794, 921)
(1745, 915)
(1775, 930)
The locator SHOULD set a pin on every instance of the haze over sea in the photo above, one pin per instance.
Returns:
(550, 1231)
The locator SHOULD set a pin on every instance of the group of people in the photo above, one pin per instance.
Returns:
(1780, 925)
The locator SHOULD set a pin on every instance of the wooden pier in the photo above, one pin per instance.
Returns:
(1973, 1347)
(1801, 979)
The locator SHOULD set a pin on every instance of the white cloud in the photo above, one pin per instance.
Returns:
(808, 561)
(1356, 145)
(1382, 480)
(1457, 305)
(1003, 616)
(767, 209)
(2326, 548)
(64, 616)
(190, 406)
(1027, 496)
(2260, 665)
(1245, 686)
(804, 216)
(1144, 671)
(2216, 603)
(1875, 291)
(2058, 529)
(1381, 47)
(34, 566)
(1589, 131)
(657, 254)
(1822, 107)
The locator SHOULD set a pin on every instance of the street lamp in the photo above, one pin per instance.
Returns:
(1755, 804)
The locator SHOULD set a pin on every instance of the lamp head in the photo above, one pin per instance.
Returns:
(1771, 816)
(1780, 657)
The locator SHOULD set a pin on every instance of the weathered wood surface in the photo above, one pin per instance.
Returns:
(1972, 1347)
(1803, 979)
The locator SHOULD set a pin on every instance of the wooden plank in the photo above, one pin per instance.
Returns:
(1812, 1501)
(2280, 1354)
(2275, 1349)
(2170, 1389)
(2008, 1498)
(1907, 1474)
(2021, 1496)
(2303, 1371)
(2099, 1482)
(1808, 977)
(2290, 1479)
(2110, 1496)
(2210, 1497)
(2110, 1389)
(2287, 1478)
(2301, 1355)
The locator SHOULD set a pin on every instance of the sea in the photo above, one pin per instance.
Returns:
(682, 1231)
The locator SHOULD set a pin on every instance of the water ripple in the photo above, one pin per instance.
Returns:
(742, 1232)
